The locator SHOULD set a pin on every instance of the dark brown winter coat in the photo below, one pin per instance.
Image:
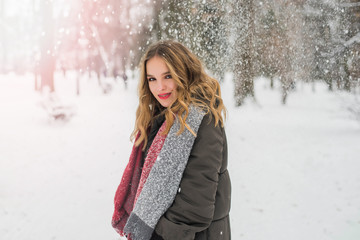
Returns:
(201, 207)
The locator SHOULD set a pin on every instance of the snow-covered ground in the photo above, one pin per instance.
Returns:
(295, 169)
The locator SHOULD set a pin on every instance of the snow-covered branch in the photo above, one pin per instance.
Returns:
(355, 4)
(340, 48)
(353, 40)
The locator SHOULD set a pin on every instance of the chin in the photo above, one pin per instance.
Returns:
(165, 105)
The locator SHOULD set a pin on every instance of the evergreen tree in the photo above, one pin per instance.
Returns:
(199, 25)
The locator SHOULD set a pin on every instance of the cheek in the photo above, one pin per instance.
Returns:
(173, 85)
(152, 88)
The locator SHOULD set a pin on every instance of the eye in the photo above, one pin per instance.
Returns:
(168, 76)
(150, 79)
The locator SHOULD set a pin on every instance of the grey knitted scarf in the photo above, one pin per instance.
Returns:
(164, 179)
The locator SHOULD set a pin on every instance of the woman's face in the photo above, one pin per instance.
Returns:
(161, 84)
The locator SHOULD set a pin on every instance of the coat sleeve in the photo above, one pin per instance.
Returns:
(193, 208)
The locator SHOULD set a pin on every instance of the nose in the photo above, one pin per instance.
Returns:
(161, 85)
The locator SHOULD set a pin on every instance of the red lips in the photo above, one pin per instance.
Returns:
(164, 96)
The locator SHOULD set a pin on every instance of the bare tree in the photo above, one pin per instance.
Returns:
(243, 15)
(47, 62)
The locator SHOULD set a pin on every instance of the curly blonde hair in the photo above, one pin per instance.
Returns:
(194, 86)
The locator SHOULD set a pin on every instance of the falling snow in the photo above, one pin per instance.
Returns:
(68, 74)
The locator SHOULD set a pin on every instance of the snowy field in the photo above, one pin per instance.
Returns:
(295, 169)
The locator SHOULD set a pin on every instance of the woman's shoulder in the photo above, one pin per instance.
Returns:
(209, 130)
(209, 121)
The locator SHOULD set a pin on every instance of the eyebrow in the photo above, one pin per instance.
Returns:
(149, 75)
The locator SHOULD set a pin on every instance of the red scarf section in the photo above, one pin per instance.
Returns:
(133, 180)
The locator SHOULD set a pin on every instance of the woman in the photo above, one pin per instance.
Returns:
(176, 184)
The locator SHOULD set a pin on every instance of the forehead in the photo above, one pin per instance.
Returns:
(156, 65)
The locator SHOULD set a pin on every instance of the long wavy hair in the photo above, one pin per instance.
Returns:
(194, 86)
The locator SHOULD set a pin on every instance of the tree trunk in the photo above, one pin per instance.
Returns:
(78, 84)
(47, 61)
(243, 14)
(3, 40)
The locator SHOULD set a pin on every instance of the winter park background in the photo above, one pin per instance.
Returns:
(290, 78)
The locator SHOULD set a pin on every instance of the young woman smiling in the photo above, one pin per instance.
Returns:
(176, 184)
(161, 84)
